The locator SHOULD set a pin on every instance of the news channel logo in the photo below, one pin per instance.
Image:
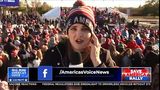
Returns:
(136, 74)
(9, 2)
(45, 73)
(16, 74)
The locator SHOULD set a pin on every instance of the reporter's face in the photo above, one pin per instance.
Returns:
(79, 36)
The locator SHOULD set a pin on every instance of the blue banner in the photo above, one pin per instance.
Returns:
(9, 2)
(16, 74)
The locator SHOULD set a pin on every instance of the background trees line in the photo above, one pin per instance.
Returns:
(151, 8)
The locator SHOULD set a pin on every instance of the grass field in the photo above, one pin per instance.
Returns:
(146, 20)
(144, 17)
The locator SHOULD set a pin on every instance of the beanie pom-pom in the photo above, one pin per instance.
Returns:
(79, 3)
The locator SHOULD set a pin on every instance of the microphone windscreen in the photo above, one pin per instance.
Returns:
(75, 58)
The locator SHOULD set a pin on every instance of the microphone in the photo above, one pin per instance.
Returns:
(75, 60)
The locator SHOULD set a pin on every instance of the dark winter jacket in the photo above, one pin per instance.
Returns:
(56, 57)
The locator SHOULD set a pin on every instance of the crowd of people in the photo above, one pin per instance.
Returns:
(27, 41)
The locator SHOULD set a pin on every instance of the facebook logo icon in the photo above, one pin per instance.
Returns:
(45, 73)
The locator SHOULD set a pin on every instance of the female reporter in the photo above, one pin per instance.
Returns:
(81, 40)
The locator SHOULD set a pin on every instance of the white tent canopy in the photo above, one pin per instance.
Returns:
(52, 14)
(117, 11)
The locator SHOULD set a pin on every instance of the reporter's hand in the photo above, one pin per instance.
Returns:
(95, 50)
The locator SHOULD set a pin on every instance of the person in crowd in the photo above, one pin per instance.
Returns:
(115, 54)
(121, 47)
(151, 58)
(24, 55)
(44, 46)
(14, 58)
(28, 47)
(126, 61)
(140, 43)
(34, 60)
(137, 58)
(125, 33)
(107, 42)
(7, 29)
(3, 63)
(132, 43)
(155, 80)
